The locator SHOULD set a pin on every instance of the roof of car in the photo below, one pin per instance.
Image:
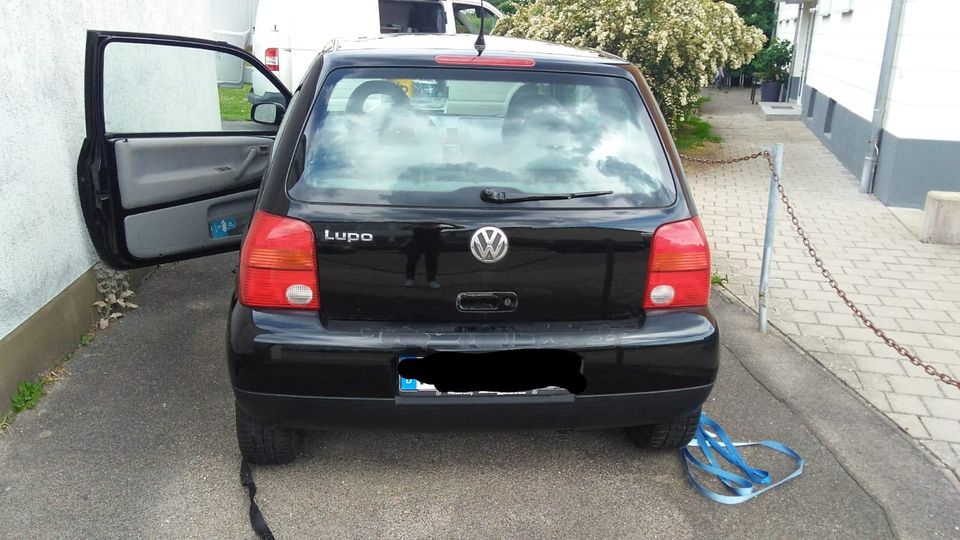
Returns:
(415, 43)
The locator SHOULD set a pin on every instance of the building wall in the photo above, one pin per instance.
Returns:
(923, 104)
(793, 25)
(788, 21)
(920, 144)
(921, 139)
(848, 133)
(46, 247)
(846, 52)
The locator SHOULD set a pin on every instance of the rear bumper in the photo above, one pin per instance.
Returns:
(472, 413)
(292, 369)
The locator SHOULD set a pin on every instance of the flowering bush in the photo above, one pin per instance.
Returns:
(678, 44)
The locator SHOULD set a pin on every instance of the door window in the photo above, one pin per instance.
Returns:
(467, 19)
(151, 88)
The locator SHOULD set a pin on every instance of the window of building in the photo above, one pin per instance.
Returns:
(811, 102)
(828, 121)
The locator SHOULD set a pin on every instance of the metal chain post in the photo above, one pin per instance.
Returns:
(812, 252)
(768, 236)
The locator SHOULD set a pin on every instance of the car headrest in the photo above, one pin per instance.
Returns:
(386, 88)
(522, 106)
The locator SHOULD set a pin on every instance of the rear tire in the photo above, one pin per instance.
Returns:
(668, 435)
(263, 444)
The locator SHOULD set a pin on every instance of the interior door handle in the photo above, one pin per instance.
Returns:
(252, 154)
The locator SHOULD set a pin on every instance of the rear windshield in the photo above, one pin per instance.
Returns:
(440, 137)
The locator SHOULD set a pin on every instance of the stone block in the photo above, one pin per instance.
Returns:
(941, 218)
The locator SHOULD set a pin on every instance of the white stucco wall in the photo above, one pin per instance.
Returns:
(791, 24)
(846, 53)
(923, 102)
(45, 244)
(788, 17)
(848, 47)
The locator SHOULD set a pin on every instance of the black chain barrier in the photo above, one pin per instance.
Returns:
(808, 244)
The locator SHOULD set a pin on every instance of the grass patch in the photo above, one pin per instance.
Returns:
(717, 279)
(234, 104)
(694, 132)
(27, 395)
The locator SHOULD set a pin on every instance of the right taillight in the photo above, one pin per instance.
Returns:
(278, 264)
(271, 59)
(678, 274)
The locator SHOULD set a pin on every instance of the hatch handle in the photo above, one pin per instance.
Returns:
(494, 301)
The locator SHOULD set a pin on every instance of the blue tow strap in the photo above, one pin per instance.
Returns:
(745, 486)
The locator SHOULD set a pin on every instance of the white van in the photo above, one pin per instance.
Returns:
(288, 34)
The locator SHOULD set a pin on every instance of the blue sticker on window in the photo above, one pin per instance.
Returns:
(222, 228)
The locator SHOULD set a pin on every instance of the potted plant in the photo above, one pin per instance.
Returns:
(771, 65)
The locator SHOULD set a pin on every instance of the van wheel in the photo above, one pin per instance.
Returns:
(263, 444)
(668, 435)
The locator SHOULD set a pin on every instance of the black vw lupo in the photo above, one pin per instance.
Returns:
(431, 239)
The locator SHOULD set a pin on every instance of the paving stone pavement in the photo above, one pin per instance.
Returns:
(909, 289)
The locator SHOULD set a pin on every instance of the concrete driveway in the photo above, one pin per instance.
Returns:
(139, 441)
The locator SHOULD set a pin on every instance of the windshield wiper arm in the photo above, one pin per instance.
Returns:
(490, 195)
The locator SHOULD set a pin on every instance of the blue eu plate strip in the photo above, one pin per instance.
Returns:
(221, 228)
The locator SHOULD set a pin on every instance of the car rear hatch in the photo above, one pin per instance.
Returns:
(557, 266)
(408, 196)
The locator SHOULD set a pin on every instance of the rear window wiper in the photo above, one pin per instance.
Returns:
(490, 195)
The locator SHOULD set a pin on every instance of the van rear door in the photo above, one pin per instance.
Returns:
(297, 30)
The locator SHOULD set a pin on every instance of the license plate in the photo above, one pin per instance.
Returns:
(413, 386)
(408, 386)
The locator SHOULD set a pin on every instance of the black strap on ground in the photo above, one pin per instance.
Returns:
(257, 521)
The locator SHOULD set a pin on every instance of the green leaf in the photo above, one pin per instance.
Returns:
(27, 395)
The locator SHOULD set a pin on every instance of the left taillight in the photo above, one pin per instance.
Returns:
(678, 273)
(278, 264)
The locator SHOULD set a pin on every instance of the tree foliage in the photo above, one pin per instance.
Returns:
(678, 44)
(759, 13)
(509, 7)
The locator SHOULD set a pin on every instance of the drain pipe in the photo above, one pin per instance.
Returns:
(872, 157)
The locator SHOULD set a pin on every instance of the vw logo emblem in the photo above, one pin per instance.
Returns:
(489, 244)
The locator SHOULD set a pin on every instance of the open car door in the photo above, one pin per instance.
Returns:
(172, 162)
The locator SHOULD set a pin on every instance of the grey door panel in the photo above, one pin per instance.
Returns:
(166, 169)
(189, 227)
